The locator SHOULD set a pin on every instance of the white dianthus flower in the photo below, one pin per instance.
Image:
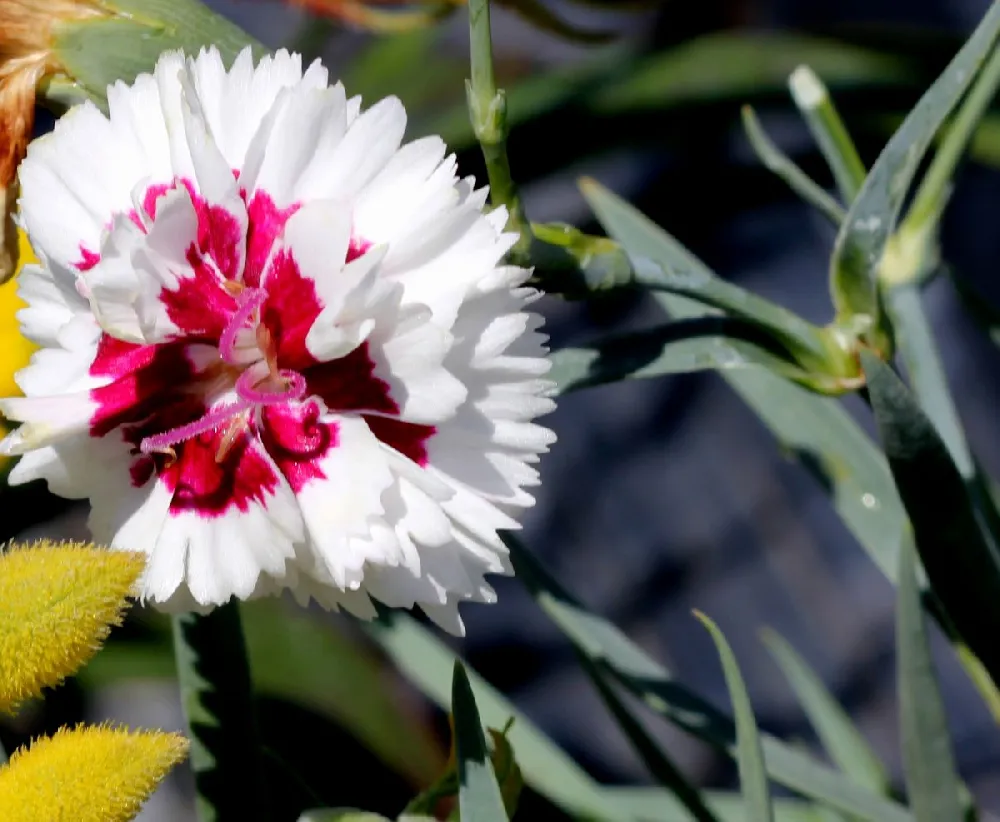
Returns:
(279, 349)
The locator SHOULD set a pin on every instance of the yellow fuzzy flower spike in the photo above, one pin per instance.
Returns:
(15, 348)
(57, 604)
(88, 774)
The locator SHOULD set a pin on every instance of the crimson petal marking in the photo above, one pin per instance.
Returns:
(210, 487)
(290, 310)
(297, 440)
(408, 438)
(266, 222)
(146, 378)
(350, 384)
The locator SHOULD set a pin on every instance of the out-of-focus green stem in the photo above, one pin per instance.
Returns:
(488, 112)
(929, 199)
(217, 698)
(829, 131)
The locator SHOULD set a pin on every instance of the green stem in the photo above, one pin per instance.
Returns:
(3, 753)
(217, 699)
(829, 131)
(488, 112)
(928, 201)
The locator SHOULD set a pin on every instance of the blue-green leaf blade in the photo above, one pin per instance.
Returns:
(429, 663)
(844, 743)
(873, 215)
(479, 798)
(749, 757)
(691, 281)
(928, 760)
(663, 769)
(955, 548)
(97, 53)
(816, 429)
(678, 347)
(603, 642)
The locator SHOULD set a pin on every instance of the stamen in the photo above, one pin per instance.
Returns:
(237, 425)
(211, 421)
(250, 300)
(246, 388)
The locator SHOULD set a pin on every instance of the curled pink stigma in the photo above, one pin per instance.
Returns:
(210, 422)
(295, 387)
(250, 299)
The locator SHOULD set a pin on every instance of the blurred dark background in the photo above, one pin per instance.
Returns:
(663, 496)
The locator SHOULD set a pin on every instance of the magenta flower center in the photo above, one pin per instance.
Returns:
(245, 343)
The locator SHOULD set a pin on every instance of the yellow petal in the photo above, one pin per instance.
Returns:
(15, 348)
(88, 774)
(57, 603)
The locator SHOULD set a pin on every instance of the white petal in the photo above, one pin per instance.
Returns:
(370, 142)
(74, 180)
(409, 357)
(46, 420)
(52, 302)
(343, 504)
(306, 124)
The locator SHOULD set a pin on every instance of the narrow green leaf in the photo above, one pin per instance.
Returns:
(684, 346)
(98, 53)
(801, 338)
(828, 130)
(607, 646)
(928, 760)
(919, 353)
(872, 216)
(783, 166)
(842, 740)
(955, 548)
(217, 698)
(749, 757)
(479, 797)
(929, 200)
(660, 766)
(815, 429)
(428, 663)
